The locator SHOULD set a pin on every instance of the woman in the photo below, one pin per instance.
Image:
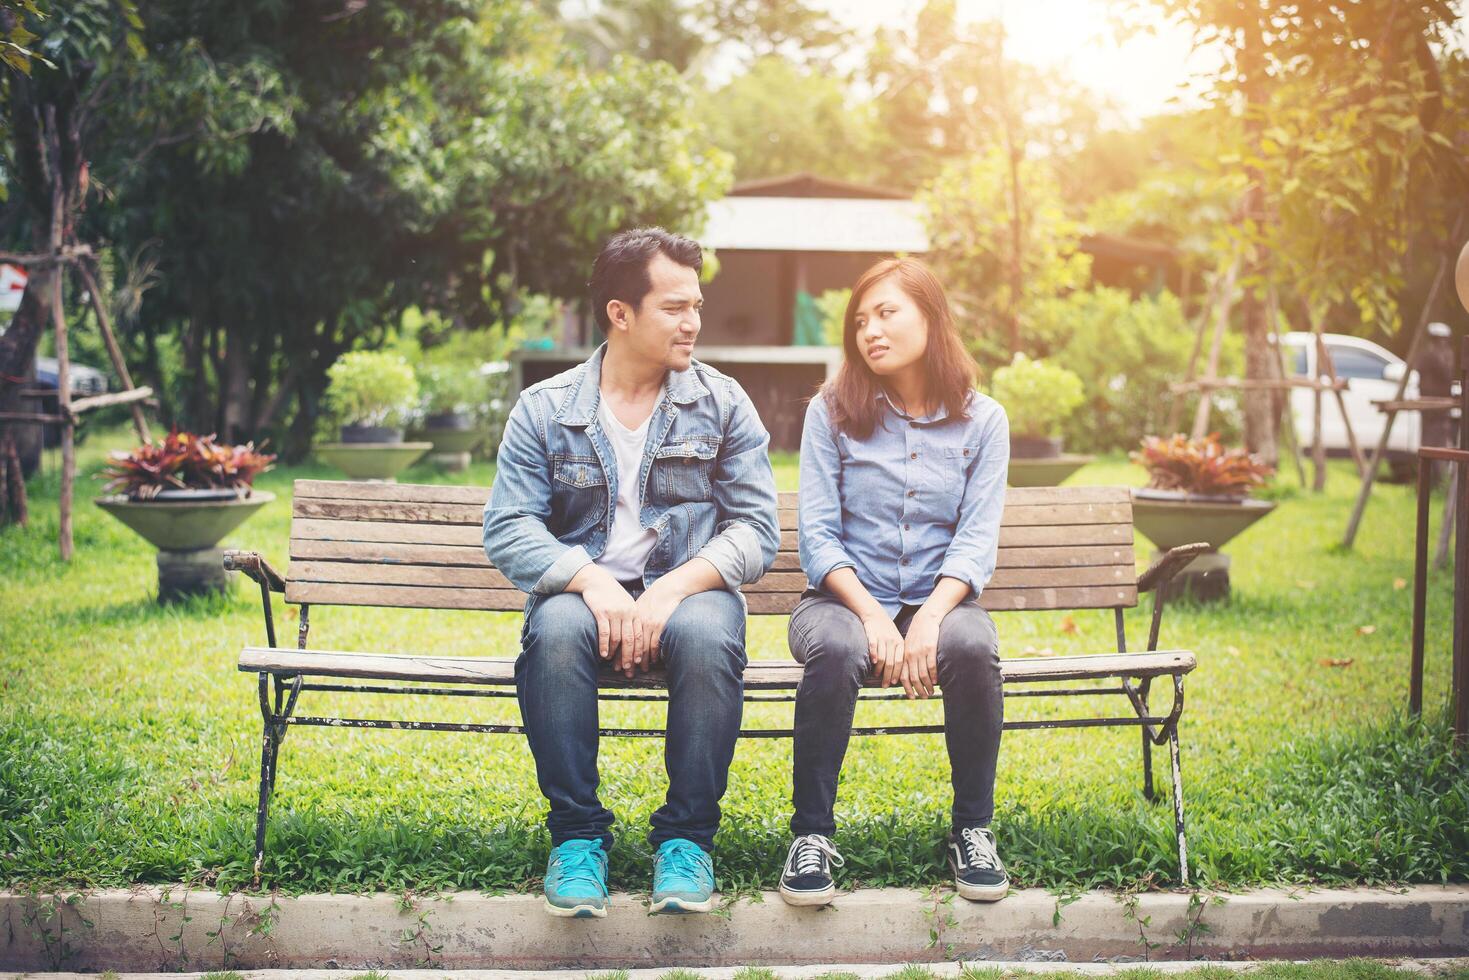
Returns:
(903, 470)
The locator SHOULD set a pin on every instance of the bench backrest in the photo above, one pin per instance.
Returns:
(419, 546)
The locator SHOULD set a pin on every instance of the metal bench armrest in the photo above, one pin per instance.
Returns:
(1163, 570)
(254, 565)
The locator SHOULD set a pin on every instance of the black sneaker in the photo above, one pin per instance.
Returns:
(979, 875)
(806, 879)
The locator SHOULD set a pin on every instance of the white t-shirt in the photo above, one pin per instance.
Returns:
(628, 543)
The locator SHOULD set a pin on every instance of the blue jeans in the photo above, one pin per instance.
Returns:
(703, 652)
(828, 638)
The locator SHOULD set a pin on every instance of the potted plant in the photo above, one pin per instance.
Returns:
(371, 394)
(1038, 397)
(182, 495)
(1198, 491)
(452, 400)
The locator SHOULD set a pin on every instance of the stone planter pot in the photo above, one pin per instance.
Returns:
(1035, 447)
(186, 526)
(1169, 518)
(370, 433)
(381, 461)
(1045, 472)
(454, 436)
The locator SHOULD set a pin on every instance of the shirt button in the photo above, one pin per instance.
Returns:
(907, 527)
(905, 561)
(912, 493)
(912, 455)
(966, 452)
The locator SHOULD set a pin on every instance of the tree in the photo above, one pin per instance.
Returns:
(779, 118)
(1340, 104)
(49, 111)
(439, 154)
(974, 250)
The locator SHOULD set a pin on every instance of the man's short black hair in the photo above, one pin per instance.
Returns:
(621, 269)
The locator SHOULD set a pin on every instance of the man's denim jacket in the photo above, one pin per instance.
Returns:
(708, 489)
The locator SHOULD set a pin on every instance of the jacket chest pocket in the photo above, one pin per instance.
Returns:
(683, 469)
(579, 490)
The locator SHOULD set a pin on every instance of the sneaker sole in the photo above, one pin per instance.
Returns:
(576, 911)
(982, 893)
(678, 906)
(808, 898)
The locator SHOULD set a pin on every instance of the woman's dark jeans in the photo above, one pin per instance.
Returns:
(828, 638)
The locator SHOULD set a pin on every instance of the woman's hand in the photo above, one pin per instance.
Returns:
(884, 647)
(920, 674)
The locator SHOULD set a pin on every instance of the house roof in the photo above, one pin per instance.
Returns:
(810, 185)
(815, 224)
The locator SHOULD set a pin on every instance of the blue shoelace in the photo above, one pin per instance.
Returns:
(582, 865)
(686, 862)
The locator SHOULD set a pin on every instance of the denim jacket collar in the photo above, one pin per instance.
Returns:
(580, 407)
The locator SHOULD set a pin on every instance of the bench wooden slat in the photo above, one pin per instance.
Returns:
(759, 674)
(465, 535)
(486, 577)
(760, 603)
(448, 494)
(378, 552)
(1027, 496)
(995, 600)
(413, 492)
(413, 512)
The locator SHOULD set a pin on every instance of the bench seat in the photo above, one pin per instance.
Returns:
(759, 675)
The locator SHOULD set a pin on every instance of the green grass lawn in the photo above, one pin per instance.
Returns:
(129, 743)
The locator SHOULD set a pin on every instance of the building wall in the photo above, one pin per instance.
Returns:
(752, 300)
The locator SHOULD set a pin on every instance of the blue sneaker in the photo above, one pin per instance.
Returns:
(683, 878)
(576, 880)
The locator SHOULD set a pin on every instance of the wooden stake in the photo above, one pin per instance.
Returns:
(113, 350)
(68, 428)
(1221, 320)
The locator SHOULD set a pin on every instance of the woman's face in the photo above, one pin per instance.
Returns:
(890, 330)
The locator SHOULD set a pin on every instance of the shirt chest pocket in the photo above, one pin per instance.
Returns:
(579, 490)
(683, 469)
(951, 469)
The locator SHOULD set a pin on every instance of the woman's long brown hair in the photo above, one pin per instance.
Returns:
(851, 396)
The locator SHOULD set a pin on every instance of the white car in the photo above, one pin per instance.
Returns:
(1372, 373)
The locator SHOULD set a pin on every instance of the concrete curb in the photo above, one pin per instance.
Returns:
(864, 971)
(174, 929)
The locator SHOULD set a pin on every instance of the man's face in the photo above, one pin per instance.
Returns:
(665, 325)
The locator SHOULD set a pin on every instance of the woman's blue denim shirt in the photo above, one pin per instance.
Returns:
(918, 499)
(707, 486)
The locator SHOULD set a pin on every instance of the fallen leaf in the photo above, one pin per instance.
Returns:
(1400, 583)
(1366, 630)
(1304, 584)
(1336, 661)
(1068, 625)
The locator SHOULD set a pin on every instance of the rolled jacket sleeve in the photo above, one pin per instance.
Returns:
(971, 555)
(516, 538)
(821, 499)
(747, 528)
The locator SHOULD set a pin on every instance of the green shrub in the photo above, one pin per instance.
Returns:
(371, 388)
(1036, 395)
(1126, 352)
(452, 388)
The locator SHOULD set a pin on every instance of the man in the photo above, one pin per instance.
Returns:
(633, 498)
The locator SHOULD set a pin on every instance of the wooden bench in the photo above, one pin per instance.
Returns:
(419, 547)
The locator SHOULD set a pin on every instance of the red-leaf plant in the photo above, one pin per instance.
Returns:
(185, 461)
(1200, 466)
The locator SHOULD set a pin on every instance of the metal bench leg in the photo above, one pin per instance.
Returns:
(1148, 792)
(270, 745)
(1178, 806)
